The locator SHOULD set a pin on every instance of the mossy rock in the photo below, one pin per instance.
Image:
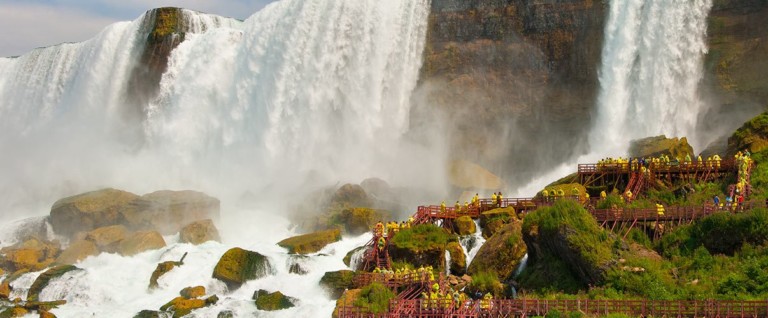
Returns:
(350, 195)
(181, 306)
(31, 255)
(192, 292)
(226, 314)
(501, 253)
(753, 135)
(199, 232)
(310, 243)
(46, 314)
(348, 258)
(5, 289)
(347, 299)
(660, 145)
(150, 314)
(464, 225)
(458, 259)
(16, 311)
(45, 278)
(337, 281)
(272, 301)
(160, 270)
(567, 233)
(421, 245)
(357, 220)
(141, 241)
(77, 251)
(493, 220)
(237, 266)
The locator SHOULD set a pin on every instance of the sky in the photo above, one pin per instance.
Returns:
(27, 24)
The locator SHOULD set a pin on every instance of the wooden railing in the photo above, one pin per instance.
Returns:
(588, 307)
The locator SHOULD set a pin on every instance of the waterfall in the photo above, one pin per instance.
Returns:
(650, 72)
(447, 263)
(521, 266)
(471, 244)
(357, 258)
(302, 90)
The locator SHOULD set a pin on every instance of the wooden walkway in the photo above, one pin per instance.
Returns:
(589, 307)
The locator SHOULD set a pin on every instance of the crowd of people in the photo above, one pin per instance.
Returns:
(661, 162)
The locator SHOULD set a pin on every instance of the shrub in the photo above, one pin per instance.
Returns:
(375, 298)
(423, 237)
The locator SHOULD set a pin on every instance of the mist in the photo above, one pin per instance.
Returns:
(302, 95)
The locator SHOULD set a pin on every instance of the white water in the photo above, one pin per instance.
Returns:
(357, 258)
(303, 92)
(650, 72)
(471, 244)
(522, 265)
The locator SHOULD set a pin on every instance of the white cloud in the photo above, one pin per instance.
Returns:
(29, 26)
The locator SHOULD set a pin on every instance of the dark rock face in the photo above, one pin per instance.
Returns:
(521, 67)
(336, 282)
(661, 145)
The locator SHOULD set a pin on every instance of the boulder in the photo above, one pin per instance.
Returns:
(566, 234)
(297, 264)
(46, 314)
(753, 135)
(493, 220)
(467, 175)
(31, 255)
(16, 311)
(162, 269)
(349, 258)
(350, 195)
(199, 232)
(169, 211)
(192, 292)
(458, 259)
(337, 281)
(42, 281)
(356, 221)
(310, 243)
(272, 301)
(181, 306)
(141, 241)
(150, 314)
(76, 252)
(501, 253)
(660, 145)
(164, 211)
(226, 314)
(5, 289)
(237, 266)
(464, 225)
(107, 239)
(91, 210)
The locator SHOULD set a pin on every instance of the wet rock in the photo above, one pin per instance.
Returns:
(356, 221)
(164, 211)
(77, 251)
(141, 241)
(492, 221)
(107, 239)
(348, 258)
(151, 314)
(465, 225)
(753, 135)
(272, 301)
(47, 314)
(192, 292)
(337, 281)
(350, 195)
(422, 245)
(45, 278)
(162, 269)
(31, 255)
(310, 243)
(199, 232)
(458, 259)
(5, 289)
(226, 314)
(181, 306)
(296, 264)
(660, 145)
(237, 266)
(501, 253)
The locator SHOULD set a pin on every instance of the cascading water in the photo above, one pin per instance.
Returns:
(471, 244)
(302, 90)
(651, 68)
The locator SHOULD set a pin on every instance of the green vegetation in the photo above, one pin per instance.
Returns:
(486, 282)
(720, 233)
(374, 298)
(422, 237)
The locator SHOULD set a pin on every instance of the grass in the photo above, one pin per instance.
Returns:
(423, 237)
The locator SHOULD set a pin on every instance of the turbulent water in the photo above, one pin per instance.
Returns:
(302, 92)
(651, 68)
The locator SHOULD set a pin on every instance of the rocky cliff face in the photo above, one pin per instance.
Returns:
(511, 76)
(735, 81)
